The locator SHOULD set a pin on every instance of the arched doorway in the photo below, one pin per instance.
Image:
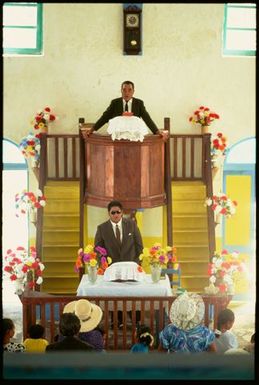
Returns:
(238, 233)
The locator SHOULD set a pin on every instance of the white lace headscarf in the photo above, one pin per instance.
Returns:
(187, 311)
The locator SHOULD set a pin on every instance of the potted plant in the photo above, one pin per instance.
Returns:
(203, 116)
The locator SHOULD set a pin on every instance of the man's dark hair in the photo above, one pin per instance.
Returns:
(114, 204)
(69, 324)
(36, 331)
(128, 82)
(225, 316)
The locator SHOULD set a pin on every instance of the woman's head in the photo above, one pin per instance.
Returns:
(144, 335)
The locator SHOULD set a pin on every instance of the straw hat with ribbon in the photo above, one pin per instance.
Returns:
(89, 314)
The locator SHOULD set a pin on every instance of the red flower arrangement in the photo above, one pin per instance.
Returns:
(24, 265)
(42, 119)
(28, 201)
(203, 116)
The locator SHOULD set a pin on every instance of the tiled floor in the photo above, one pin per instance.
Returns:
(243, 328)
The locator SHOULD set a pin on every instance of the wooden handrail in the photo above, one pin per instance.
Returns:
(46, 309)
(168, 188)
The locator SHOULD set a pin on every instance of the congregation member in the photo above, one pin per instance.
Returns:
(144, 340)
(186, 332)
(90, 316)
(36, 342)
(8, 332)
(69, 326)
(225, 339)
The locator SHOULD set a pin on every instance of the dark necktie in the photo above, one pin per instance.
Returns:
(126, 107)
(118, 234)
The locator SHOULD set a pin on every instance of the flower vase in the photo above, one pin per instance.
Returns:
(92, 274)
(155, 273)
(33, 216)
(204, 130)
(19, 286)
(217, 219)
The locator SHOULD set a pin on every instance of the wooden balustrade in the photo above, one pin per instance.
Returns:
(46, 309)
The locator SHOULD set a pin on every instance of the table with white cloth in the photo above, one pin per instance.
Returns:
(144, 288)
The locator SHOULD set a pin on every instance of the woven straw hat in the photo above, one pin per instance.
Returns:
(89, 314)
(187, 311)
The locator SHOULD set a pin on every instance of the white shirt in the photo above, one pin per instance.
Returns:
(129, 105)
(226, 340)
(120, 227)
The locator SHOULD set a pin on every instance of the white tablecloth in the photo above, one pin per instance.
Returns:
(146, 288)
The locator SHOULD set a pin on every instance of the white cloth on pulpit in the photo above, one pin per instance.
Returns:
(124, 271)
(127, 127)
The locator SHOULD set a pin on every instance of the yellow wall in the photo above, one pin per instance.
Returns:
(238, 227)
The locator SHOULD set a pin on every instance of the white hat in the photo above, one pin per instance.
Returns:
(89, 314)
(187, 311)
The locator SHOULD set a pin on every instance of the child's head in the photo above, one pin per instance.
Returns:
(36, 331)
(144, 335)
(8, 328)
(226, 319)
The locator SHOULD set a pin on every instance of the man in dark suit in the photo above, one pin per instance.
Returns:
(129, 105)
(122, 240)
(119, 236)
(69, 327)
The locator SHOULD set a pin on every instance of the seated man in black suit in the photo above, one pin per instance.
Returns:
(127, 104)
(69, 327)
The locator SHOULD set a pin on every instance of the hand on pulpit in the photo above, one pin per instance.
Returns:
(164, 134)
(88, 130)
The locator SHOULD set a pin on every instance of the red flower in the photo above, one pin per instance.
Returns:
(13, 277)
(31, 284)
(47, 109)
(52, 117)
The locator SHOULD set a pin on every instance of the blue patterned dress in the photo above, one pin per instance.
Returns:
(194, 340)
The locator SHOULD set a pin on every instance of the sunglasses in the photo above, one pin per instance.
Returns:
(115, 212)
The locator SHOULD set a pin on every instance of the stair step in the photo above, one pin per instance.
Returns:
(185, 230)
(59, 275)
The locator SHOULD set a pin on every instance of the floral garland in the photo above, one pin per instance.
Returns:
(27, 201)
(228, 271)
(30, 147)
(24, 265)
(221, 204)
(93, 256)
(203, 116)
(158, 256)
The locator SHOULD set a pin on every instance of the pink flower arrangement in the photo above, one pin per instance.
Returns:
(221, 204)
(93, 256)
(203, 116)
(27, 201)
(24, 265)
(42, 119)
(226, 270)
(156, 255)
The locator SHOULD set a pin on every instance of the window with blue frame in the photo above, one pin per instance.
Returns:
(239, 32)
(22, 28)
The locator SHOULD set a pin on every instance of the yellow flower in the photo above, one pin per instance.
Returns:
(109, 260)
(88, 249)
(93, 262)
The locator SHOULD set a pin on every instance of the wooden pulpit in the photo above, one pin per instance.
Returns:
(131, 172)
